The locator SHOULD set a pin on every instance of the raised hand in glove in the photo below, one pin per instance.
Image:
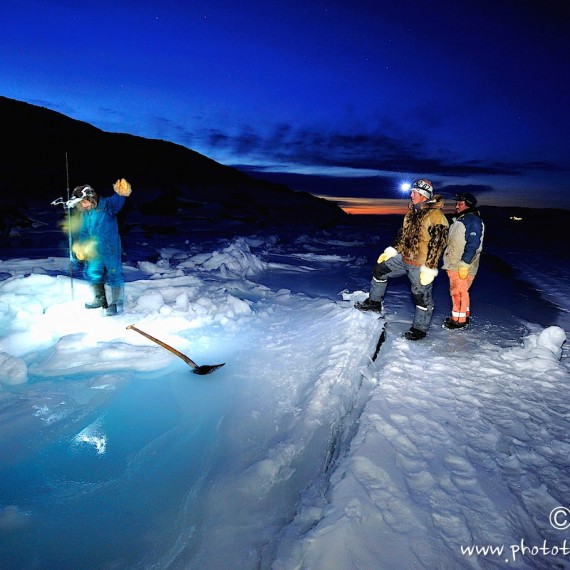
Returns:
(427, 275)
(463, 270)
(122, 187)
(388, 253)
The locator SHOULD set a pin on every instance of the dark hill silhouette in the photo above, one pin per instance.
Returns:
(168, 179)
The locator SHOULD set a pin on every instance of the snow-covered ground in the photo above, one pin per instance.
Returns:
(302, 452)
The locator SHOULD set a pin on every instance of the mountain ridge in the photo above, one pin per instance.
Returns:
(167, 178)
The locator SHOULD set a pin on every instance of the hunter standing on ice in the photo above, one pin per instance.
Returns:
(415, 252)
(461, 257)
(98, 244)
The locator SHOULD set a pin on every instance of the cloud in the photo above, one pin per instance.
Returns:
(477, 189)
(375, 150)
(350, 189)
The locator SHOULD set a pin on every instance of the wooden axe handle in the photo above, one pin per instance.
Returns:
(186, 359)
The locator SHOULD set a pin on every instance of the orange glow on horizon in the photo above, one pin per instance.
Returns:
(375, 210)
(370, 206)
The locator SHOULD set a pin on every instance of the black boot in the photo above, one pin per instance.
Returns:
(99, 297)
(452, 324)
(414, 334)
(116, 300)
(369, 305)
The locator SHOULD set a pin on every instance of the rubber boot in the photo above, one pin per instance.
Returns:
(452, 324)
(99, 297)
(370, 305)
(415, 334)
(116, 301)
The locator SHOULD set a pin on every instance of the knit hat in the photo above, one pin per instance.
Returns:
(84, 192)
(468, 198)
(423, 187)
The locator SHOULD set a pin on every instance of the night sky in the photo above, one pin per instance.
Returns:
(340, 98)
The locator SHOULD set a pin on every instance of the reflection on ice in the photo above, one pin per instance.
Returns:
(100, 443)
(93, 435)
(46, 414)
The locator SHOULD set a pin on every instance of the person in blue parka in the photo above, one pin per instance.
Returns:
(98, 244)
(461, 258)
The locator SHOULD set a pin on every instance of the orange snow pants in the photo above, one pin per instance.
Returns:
(459, 291)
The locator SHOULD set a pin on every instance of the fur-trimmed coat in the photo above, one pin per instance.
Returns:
(423, 235)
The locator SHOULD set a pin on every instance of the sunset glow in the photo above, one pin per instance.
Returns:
(370, 206)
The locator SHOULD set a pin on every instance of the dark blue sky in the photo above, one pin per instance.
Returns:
(354, 96)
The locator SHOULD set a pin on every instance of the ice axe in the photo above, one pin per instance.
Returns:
(202, 370)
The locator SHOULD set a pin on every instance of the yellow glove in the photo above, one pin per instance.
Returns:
(427, 275)
(463, 270)
(78, 250)
(122, 187)
(84, 251)
(388, 253)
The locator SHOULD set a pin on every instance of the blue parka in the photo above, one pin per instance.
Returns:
(465, 241)
(100, 224)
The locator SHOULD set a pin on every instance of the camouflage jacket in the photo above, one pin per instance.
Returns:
(423, 235)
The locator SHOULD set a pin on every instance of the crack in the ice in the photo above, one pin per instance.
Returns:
(379, 343)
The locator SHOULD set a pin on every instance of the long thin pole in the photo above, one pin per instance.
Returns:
(69, 227)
